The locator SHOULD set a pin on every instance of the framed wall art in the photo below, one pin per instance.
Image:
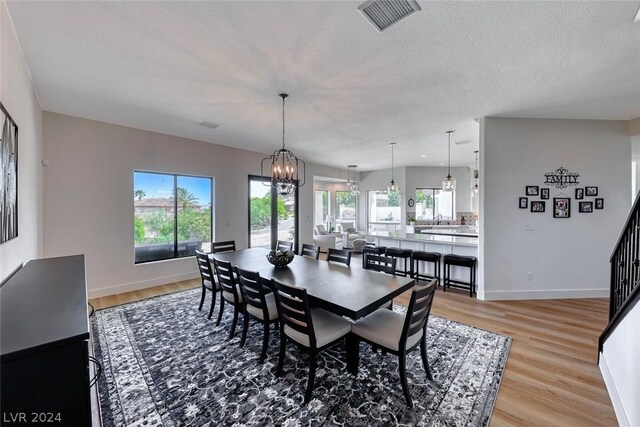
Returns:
(561, 207)
(579, 193)
(591, 191)
(532, 190)
(544, 193)
(537, 206)
(524, 202)
(585, 207)
(599, 203)
(9, 177)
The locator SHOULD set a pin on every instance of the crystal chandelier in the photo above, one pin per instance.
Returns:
(449, 183)
(351, 185)
(475, 189)
(392, 185)
(285, 166)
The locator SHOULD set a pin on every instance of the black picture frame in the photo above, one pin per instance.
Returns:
(599, 203)
(532, 190)
(591, 191)
(9, 176)
(561, 207)
(523, 202)
(579, 193)
(537, 206)
(585, 207)
(544, 193)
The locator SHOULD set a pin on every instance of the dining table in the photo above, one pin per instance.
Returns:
(343, 290)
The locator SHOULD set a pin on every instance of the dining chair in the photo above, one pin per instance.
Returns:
(208, 281)
(338, 255)
(284, 246)
(310, 251)
(401, 333)
(227, 246)
(312, 329)
(230, 291)
(259, 304)
(380, 263)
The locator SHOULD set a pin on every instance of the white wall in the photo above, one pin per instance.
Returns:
(20, 100)
(88, 204)
(567, 257)
(620, 368)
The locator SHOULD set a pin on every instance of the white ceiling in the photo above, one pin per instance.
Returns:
(165, 66)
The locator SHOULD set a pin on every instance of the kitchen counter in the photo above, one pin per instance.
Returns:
(423, 238)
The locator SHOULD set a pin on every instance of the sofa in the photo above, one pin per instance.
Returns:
(325, 240)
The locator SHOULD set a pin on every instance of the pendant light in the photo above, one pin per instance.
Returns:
(392, 185)
(285, 166)
(352, 184)
(475, 189)
(449, 183)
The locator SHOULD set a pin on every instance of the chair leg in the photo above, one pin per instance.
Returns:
(235, 321)
(425, 357)
(204, 292)
(265, 343)
(281, 354)
(403, 378)
(221, 310)
(245, 327)
(312, 377)
(213, 303)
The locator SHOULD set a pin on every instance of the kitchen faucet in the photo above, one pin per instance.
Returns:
(439, 218)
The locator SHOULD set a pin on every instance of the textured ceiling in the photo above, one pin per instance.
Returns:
(165, 66)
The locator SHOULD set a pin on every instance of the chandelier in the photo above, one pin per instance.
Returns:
(392, 185)
(285, 166)
(351, 185)
(449, 183)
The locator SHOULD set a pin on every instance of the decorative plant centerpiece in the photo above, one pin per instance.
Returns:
(412, 221)
(280, 259)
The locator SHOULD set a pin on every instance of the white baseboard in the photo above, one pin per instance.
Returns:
(136, 286)
(544, 294)
(613, 393)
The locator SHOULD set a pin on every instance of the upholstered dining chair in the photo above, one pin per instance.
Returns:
(339, 255)
(311, 251)
(401, 333)
(230, 291)
(259, 304)
(312, 329)
(284, 246)
(208, 281)
(227, 246)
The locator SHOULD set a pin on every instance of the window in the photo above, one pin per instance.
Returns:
(431, 202)
(173, 215)
(272, 216)
(345, 209)
(320, 207)
(384, 211)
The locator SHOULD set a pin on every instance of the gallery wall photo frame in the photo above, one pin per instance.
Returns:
(599, 203)
(579, 193)
(544, 193)
(585, 207)
(523, 202)
(9, 177)
(537, 206)
(591, 191)
(562, 207)
(532, 190)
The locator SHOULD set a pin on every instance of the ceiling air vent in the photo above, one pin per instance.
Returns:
(384, 13)
(209, 124)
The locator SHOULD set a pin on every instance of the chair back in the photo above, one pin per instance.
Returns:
(320, 230)
(226, 279)
(381, 263)
(284, 246)
(311, 251)
(205, 268)
(293, 310)
(228, 246)
(253, 293)
(338, 255)
(418, 311)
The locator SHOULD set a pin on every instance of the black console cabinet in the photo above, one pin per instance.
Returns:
(44, 333)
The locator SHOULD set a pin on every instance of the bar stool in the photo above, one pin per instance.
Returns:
(375, 250)
(460, 261)
(405, 256)
(421, 256)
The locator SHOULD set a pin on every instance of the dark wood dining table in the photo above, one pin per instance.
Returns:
(346, 291)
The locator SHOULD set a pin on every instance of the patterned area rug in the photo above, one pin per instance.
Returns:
(165, 364)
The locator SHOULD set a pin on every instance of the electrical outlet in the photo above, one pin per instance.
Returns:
(227, 223)
(529, 276)
(530, 227)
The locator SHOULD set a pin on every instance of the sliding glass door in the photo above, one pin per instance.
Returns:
(272, 217)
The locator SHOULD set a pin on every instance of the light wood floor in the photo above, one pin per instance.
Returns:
(551, 378)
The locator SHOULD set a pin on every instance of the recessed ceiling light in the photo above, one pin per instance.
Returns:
(423, 155)
(209, 124)
(441, 164)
